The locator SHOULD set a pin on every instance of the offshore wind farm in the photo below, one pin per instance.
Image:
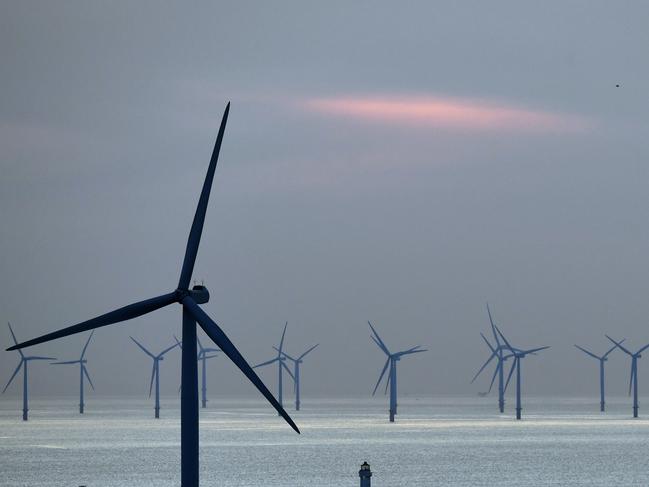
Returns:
(444, 203)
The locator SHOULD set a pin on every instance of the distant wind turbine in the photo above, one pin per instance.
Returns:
(501, 353)
(519, 355)
(602, 360)
(203, 357)
(296, 373)
(23, 363)
(155, 372)
(633, 382)
(192, 314)
(83, 372)
(280, 366)
(391, 362)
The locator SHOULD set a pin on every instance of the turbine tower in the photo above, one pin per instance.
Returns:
(155, 372)
(23, 363)
(633, 382)
(602, 360)
(192, 314)
(296, 373)
(519, 355)
(280, 365)
(391, 361)
(203, 357)
(83, 372)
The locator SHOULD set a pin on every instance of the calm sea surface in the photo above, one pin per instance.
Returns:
(436, 442)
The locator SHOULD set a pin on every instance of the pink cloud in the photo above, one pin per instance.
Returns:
(450, 113)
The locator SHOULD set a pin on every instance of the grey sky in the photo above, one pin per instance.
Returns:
(327, 217)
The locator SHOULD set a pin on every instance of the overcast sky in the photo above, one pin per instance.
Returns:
(398, 163)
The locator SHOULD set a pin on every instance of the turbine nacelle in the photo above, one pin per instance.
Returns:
(200, 294)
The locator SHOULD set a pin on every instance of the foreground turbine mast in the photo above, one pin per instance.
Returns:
(83, 372)
(192, 314)
(23, 363)
(602, 360)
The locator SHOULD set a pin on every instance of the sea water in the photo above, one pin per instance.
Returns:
(434, 442)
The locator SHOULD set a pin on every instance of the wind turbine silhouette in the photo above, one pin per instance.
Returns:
(83, 371)
(296, 372)
(280, 365)
(633, 382)
(202, 357)
(519, 355)
(192, 314)
(155, 372)
(497, 352)
(602, 360)
(23, 364)
(391, 361)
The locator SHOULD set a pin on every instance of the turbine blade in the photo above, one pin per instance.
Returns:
(168, 349)
(200, 345)
(285, 354)
(491, 357)
(643, 348)
(85, 371)
(83, 352)
(378, 340)
(511, 371)
(619, 345)
(224, 343)
(40, 358)
(287, 370)
(381, 347)
(387, 384)
(612, 348)
(180, 344)
(69, 362)
(308, 351)
(207, 357)
(142, 347)
(487, 342)
(493, 326)
(123, 314)
(504, 339)
(14, 338)
(281, 342)
(152, 377)
(493, 378)
(20, 364)
(533, 350)
(592, 354)
(194, 238)
(268, 362)
(387, 362)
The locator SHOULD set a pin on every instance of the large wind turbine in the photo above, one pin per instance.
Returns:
(280, 365)
(602, 360)
(155, 372)
(83, 372)
(296, 373)
(192, 314)
(633, 382)
(499, 353)
(391, 361)
(23, 364)
(519, 355)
